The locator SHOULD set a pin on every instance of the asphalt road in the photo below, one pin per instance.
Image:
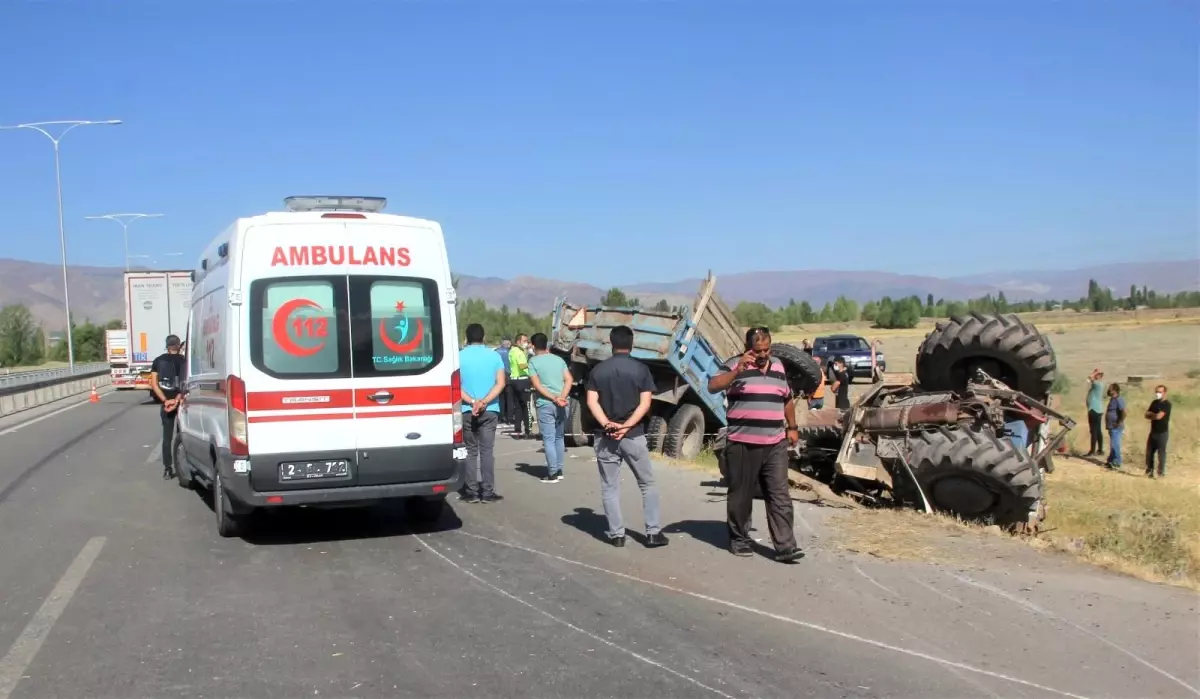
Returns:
(115, 584)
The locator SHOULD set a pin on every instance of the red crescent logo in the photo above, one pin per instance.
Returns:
(279, 328)
(406, 347)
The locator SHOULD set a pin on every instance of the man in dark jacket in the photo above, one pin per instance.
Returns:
(166, 382)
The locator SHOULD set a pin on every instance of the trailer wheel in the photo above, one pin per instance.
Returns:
(685, 433)
(656, 433)
(578, 433)
(803, 372)
(976, 475)
(1004, 346)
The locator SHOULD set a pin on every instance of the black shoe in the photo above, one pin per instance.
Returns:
(168, 473)
(789, 555)
(654, 541)
(741, 549)
(470, 499)
(552, 479)
(491, 497)
(618, 541)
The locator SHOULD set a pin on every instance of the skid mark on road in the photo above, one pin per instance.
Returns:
(48, 415)
(777, 617)
(567, 624)
(875, 582)
(23, 650)
(24, 476)
(1035, 609)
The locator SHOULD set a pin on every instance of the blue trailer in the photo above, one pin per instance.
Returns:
(683, 349)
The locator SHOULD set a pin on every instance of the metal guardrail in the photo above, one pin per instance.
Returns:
(48, 376)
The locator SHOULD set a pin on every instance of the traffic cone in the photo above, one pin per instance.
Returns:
(95, 397)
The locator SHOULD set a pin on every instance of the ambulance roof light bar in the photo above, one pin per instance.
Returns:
(321, 202)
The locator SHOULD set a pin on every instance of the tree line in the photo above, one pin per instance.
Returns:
(907, 312)
(23, 341)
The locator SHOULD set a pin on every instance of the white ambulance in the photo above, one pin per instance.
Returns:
(322, 363)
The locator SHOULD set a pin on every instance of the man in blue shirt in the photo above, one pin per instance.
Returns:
(482, 373)
(1095, 408)
(1114, 420)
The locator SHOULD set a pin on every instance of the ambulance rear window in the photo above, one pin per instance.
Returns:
(397, 327)
(299, 328)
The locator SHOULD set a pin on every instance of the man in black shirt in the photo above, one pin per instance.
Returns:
(839, 383)
(618, 395)
(1159, 415)
(166, 382)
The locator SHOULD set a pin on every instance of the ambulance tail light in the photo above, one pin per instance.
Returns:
(456, 405)
(235, 398)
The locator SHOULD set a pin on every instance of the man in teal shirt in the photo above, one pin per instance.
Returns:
(1095, 408)
(552, 384)
(482, 374)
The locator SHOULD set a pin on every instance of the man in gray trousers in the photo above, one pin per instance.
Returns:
(618, 396)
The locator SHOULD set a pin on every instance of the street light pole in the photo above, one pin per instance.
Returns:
(124, 220)
(62, 235)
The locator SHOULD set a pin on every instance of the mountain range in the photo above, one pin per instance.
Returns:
(96, 292)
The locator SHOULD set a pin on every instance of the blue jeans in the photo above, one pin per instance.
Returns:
(1114, 439)
(552, 423)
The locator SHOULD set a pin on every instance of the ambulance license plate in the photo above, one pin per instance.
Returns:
(314, 470)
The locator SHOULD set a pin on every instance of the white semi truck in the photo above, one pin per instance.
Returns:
(116, 343)
(156, 305)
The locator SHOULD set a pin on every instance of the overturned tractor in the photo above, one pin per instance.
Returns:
(969, 434)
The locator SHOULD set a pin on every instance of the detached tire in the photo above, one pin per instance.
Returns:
(685, 433)
(1004, 346)
(975, 475)
(656, 433)
(577, 431)
(803, 372)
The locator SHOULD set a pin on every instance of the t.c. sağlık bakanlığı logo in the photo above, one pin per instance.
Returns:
(406, 344)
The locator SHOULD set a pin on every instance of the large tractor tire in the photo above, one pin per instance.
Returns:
(1004, 346)
(975, 475)
(685, 433)
(579, 427)
(803, 372)
(656, 433)
(827, 436)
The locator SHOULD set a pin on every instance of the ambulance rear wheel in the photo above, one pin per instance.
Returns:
(425, 510)
(229, 525)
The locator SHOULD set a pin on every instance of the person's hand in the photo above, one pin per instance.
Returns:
(793, 436)
(748, 360)
(478, 407)
(561, 402)
(620, 432)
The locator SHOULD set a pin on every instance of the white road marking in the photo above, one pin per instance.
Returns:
(780, 617)
(567, 624)
(23, 650)
(39, 418)
(1051, 615)
(154, 455)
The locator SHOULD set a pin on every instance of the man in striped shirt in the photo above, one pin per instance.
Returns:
(762, 420)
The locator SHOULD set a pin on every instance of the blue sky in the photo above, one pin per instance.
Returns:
(622, 141)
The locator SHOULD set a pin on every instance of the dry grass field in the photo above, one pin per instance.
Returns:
(1124, 521)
